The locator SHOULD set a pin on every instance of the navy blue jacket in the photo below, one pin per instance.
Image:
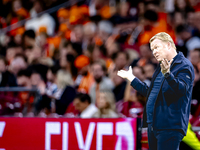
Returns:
(172, 106)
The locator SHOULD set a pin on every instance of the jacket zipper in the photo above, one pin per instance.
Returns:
(155, 102)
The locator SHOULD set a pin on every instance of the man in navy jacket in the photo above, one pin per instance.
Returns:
(169, 95)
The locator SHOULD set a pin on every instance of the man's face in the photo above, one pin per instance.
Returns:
(121, 61)
(80, 106)
(50, 76)
(159, 49)
(97, 71)
(23, 81)
(138, 73)
(145, 51)
(149, 70)
(35, 79)
(18, 64)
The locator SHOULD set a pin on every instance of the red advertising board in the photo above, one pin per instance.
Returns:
(67, 134)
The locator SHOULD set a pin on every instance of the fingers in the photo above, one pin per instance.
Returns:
(121, 74)
(124, 73)
(130, 68)
(171, 61)
(166, 63)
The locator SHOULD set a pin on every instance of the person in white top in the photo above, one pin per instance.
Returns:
(82, 103)
(44, 20)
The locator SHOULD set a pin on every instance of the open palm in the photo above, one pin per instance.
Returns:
(126, 74)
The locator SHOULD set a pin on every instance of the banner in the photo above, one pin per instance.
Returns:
(68, 134)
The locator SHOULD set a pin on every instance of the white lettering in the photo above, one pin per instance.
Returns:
(89, 135)
(65, 136)
(51, 128)
(124, 129)
(2, 127)
(103, 129)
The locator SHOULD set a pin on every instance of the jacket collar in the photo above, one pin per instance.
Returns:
(178, 58)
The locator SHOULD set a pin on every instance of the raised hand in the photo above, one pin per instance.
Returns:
(126, 74)
(165, 65)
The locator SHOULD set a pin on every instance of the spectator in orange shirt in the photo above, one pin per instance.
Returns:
(153, 25)
(85, 79)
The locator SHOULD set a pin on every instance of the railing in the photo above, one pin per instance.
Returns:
(18, 99)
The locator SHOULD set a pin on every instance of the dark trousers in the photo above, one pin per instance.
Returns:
(164, 139)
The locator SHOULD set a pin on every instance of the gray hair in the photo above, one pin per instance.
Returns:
(105, 26)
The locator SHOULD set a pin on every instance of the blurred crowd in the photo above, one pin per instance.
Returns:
(72, 55)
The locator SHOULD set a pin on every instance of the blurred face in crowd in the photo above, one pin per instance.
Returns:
(149, 70)
(10, 53)
(101, 102)
(160, 49)
(67, 50)
(78, 31)
(117, 80)
(124, 7)
(28, 42)
(24, 81)
(2, 66)
(137, 71)
(121, 60)
(103, 35)
(193, 2)
(80, 106)
(63, 62)
(178, 19)
(50, 76)
(194, 57)
(98, 72)
(35, 79)
(181, 4)
(89, 31)
(191, 18)
(18, 64)
(37, 7)
(16, 5)
(33, 53)
(42, 39)
(96, 54)
(145, 51)
(111, 48)
(38, 82)
(18, 39)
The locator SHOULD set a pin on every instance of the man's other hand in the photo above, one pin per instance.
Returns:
(126, 74)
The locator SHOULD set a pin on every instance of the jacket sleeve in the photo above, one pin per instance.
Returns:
(140, 86)
(182, 82)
